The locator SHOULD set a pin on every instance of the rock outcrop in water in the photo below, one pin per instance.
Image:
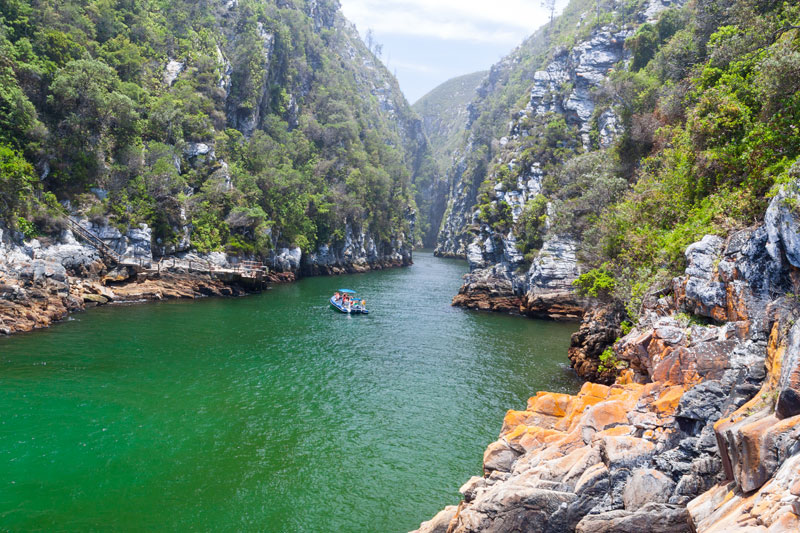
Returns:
(504, 167)
(498, 269)
(700, 434)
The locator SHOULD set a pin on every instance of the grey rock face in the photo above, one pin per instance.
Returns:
(610, 128)
(655, 7)
(246, 118)
(788, 404)
(582, 69)
(287, 260)
(135, 244)
(453, 239)
(66, 255)
(198, 149)
(591, 60)
(701, 256)
(783, 227)
(725, 277)
(653, 518)
(172, 71)
(555, 267)
(76, 258)
(358, 251)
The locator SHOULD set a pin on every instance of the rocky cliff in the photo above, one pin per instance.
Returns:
(445, 114)
(701, 433)
(506, 209)
(43, 280)
(244, 127)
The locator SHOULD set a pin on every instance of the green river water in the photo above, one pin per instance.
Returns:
(266, 413)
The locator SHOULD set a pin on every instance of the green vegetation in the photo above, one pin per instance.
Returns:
(444, 112)
(531, 227)
(710, 107)
(17, 183)
(609, 361)
(716, 141)
(597, 283)
(296, 143)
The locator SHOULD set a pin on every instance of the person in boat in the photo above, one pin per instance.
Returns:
(337, 296)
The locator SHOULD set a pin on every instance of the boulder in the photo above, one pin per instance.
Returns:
(625, 451)
(439, 523)
(652, 518)
(499, 456)
(646, 485)
(95, 298)
(514, 508)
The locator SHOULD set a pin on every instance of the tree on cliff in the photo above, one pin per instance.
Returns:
(17, 181)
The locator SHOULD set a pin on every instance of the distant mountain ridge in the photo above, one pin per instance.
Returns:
(445, 114)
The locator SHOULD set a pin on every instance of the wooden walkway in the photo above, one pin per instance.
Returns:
(93, 240)
(248, 270)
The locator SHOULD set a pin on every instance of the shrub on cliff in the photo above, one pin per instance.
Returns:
(17, 183)
(713, 164)
(596, 283)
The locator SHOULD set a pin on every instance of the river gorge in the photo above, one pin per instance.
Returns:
(266, 413)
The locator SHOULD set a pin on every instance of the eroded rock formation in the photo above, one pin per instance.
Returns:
(701, 433)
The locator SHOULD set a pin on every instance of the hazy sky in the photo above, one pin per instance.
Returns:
(427, 42)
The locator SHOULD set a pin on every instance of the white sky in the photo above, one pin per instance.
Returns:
(427, 42)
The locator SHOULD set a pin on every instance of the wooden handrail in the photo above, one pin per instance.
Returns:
(93, 240)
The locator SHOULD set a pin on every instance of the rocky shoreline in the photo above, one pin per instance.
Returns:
(43, 281)
(701, 432)
(543, 291)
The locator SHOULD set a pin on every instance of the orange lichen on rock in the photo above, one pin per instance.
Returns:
(551, 404)
(771, 509)
(561, 422)
(667, 402)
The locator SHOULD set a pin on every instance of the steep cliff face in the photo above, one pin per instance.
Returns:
(292, 84)
(505, 212)
(700, 433)
(445, 113)
(243, 127)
